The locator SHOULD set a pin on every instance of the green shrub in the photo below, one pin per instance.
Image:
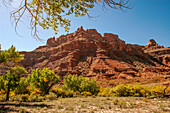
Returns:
(20, 97)
(139, 91)
(59, 92)
(34, 98)
(24, 97)
(86, 93)
(16, 98)
(115, 101)
(105, 92)
(81, 84)
(72, 82)
(77, 94)
(2, 98)
(157, 90)
(51, 96)
(122, 104)
(89, 86)
(130, 90)
(122, 90)
(41, 98)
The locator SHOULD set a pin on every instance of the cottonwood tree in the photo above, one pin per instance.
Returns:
(43, 80)
(10, 55)
(80, 84)
(11, 79)
(53, 13)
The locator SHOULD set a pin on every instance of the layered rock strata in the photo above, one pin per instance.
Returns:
(88, 53)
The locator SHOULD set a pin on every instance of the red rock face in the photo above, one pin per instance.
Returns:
(88, 53)
(159, 52)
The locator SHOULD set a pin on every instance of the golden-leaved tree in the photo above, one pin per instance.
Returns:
(10, 55)
(10, 80)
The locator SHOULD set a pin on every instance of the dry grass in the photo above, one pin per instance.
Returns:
(91, 105)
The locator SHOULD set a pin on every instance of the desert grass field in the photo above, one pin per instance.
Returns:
(91, 104)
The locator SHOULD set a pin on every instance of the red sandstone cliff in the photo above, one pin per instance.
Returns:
(88, 53)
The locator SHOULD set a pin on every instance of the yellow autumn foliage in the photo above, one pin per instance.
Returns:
(45, 80)
(2, 92)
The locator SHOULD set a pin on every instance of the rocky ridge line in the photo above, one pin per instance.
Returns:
(88, 53)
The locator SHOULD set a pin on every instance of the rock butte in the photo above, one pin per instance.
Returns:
(88, 53)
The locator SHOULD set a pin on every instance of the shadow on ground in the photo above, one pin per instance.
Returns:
(6, 107)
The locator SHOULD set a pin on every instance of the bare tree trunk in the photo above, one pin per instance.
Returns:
(47, 91)
(7, 95)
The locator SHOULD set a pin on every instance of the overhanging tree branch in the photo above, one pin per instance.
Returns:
(49, 13)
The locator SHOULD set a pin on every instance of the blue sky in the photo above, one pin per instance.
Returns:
(148, 19)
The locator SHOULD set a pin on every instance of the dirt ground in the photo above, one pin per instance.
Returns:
(90, 105)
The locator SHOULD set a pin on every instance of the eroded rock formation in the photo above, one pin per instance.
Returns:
(88, 53)
(159, 52)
